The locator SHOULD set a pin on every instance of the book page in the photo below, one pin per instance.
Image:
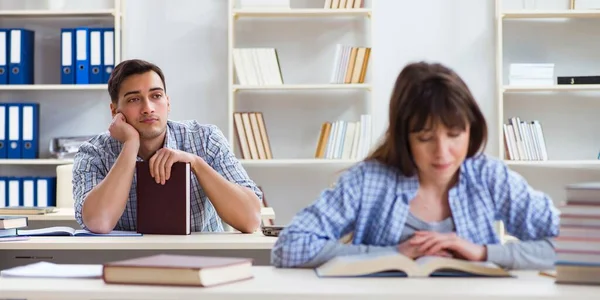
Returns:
(83, 232)
(52, 231)
(46, 269)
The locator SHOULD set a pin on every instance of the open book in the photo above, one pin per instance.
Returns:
(68, 231)
(402, 266)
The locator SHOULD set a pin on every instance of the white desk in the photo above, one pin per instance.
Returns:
(68, 214)
(270, 283)
(101, 249)
(195, 241)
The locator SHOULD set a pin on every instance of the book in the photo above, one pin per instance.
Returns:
(178, 270)
(68, 231)
(45, 269)
(163, 209)
(11, 222)
(397, 265)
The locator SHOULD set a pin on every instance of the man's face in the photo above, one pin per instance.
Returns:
(143, 102)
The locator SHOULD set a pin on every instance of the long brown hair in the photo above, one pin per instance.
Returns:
(426, 92)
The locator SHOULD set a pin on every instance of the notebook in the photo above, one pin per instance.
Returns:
(178, 270)
(50, 270)
(163, 209)
(68, 231)
(397, 265)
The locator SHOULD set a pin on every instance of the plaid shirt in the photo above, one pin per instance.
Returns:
(372, 201)
(97, 156)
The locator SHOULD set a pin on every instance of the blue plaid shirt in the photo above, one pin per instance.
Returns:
(97, 156)
(371, 200)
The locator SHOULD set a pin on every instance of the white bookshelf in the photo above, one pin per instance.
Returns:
(57, 18)
(565, 95)
(59, 13)
(300, 12)
(237, 87)
(39, 161)
(53, 87)
(295, 14)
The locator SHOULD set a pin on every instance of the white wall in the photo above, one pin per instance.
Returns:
(188, 40)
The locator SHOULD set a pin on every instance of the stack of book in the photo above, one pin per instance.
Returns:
(257, 66)
(578, 243)
(524, 140)
(350, 64)
(344, 139)
(531, 74)
(345, 4)
(251, 132)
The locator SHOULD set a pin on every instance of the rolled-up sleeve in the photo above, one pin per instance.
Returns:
(87, 173)
(225, 162)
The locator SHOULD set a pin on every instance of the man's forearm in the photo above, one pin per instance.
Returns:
(238, 206)
(105, 203)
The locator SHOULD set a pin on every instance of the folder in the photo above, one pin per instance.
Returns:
(28, 190)
(45, 191)
(108, 43)
(82, 55)
(30, 115)
(21, 56)
(4, 47)
(96, 53)
(13, 197)
(3, 192)
(67, 57)
(3, 131)
(14, 131)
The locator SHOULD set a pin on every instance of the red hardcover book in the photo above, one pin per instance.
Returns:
(163, 209)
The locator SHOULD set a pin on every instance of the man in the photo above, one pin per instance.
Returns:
(104, 181)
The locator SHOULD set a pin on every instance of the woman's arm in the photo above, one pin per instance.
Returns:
(529, 255)
(303, 242)
(528, 214)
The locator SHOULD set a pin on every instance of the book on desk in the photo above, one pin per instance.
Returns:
(397, 265)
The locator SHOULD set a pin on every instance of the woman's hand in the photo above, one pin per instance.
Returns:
(410, 249)
(430, 243)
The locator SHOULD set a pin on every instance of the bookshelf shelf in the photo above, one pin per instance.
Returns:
(291, 162)
(554, 163)
(258, 70)
(541, 14)
(57, 13)
(359, 86)
(38, 161)
(553, 88)
(54, 87)
(301, 12)
(527, 131)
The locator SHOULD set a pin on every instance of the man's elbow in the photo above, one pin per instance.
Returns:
(96, 223)
(252, 224)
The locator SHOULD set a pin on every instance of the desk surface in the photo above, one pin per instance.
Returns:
(68, 214)
(271, 283)
(195, 241)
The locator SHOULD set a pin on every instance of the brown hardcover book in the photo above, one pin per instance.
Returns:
(163, 209)
(178, 270)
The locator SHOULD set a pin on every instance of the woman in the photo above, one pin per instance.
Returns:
(427, 189)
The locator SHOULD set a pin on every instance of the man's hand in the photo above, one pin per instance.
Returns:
(411, 249)
(430, 243)
(162, 161)
(121, 130)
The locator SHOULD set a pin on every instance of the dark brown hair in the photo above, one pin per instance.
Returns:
(127, 68)
(428, 92)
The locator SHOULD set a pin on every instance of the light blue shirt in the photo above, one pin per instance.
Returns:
(96, 157)
(372, 201)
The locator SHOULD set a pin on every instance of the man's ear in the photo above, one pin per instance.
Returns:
(113, 109)
(168, 104)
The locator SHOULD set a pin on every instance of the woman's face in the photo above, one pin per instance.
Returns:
(439, 151)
